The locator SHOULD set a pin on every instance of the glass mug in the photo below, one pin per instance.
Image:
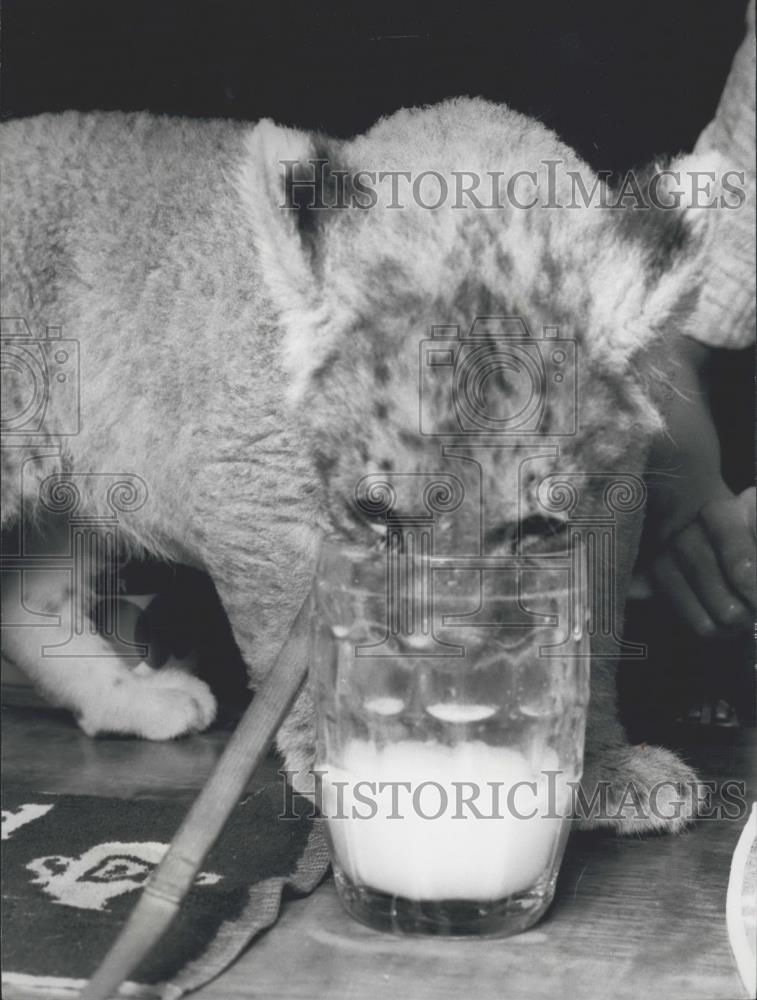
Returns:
(451, 699)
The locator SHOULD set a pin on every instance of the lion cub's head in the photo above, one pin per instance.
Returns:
(442, 314)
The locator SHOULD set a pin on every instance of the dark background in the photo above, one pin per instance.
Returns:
(621, 83)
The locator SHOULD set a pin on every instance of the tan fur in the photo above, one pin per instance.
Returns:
(251, 365)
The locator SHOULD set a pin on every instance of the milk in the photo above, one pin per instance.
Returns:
(444, 858)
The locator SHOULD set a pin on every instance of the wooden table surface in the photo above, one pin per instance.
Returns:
(632, 917)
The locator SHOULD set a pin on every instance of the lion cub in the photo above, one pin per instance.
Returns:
(245, 304)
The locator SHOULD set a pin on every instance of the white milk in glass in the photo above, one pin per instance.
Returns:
(447, 755)
(447, 844)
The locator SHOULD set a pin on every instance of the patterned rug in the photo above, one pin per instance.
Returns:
(73, 867)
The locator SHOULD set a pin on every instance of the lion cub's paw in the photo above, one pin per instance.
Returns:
(156, 705)
(640, 789)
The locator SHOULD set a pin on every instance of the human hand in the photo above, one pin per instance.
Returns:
(707, 568)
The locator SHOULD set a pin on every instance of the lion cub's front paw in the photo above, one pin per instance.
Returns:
(639, 789)
(159, 705)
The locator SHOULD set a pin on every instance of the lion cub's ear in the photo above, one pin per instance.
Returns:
(290, 189)
(649, 267)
